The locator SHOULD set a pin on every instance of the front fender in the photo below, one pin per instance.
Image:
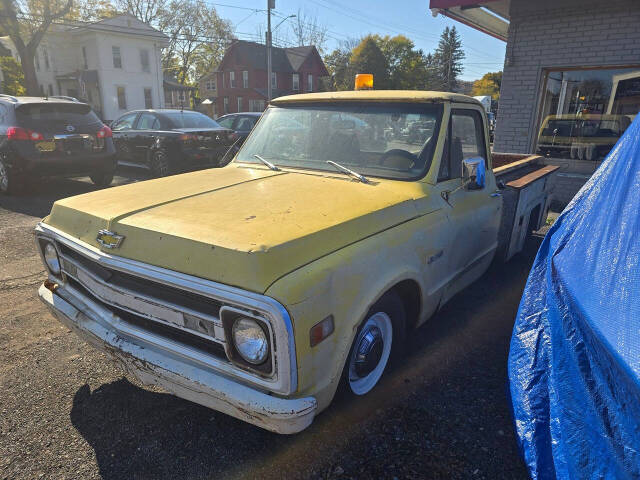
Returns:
(345, 284)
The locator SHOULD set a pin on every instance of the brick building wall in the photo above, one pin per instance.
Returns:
(558, 33)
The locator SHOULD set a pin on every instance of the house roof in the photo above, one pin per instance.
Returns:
(124, 23)
(169, 82)
(288, 60)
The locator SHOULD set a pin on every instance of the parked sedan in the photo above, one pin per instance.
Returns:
(240, 123)
(170, 141)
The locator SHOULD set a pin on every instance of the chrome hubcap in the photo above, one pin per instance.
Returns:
(371, 353)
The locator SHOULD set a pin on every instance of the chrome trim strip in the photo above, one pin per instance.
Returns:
(157, 310)
(286, 379)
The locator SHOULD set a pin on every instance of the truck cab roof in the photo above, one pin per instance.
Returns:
(402, 96)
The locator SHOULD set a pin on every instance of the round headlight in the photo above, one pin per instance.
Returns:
(250, 340)
(51, 257)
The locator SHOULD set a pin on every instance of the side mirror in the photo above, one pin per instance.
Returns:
(473, 173)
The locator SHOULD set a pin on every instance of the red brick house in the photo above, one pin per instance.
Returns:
(241, 78)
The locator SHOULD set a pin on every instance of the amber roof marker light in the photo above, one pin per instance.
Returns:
(364, 81)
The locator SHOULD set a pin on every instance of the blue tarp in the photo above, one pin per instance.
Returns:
(574, 362)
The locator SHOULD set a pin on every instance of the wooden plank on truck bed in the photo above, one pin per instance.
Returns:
(532, 177)
(509, 167)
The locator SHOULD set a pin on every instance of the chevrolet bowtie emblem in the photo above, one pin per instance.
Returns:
(109, 239)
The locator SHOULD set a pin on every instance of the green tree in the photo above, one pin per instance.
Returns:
(408, 67)
(368, 58)
(26, 24)
(13, 78)
(448, 59)
(198, 38)
(489, 84)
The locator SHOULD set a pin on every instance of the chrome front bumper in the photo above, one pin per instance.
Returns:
(153, 362)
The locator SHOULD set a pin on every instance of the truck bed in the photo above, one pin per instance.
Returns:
(527, 190)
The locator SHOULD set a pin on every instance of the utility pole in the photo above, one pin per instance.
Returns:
(270, 4)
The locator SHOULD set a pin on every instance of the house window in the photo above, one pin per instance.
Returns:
(309, 83)
(225, 102)
(232, 79)
(122, 99)
(584, 112)
(296, 82)
(144, 60)
(239, 104)
(117, 58)
(182, 96)
(224, 81)
(211, 84)
(50, 90)
(85, 63)
(274, 80)
(256, 105)
(245, 79)
(148, 102)
(45, 55)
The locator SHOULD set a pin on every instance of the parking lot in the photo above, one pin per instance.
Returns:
(67, 412)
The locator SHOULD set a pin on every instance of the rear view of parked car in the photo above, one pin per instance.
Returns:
(170, 141)
(240, 123)
(42, 137)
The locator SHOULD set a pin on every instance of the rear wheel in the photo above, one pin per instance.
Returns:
(160, 164)
(102, 179)
(10, 183)
(378, 342)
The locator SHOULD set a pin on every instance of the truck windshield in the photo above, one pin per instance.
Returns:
(380, 140)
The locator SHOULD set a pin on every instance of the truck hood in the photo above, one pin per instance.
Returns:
(240, 225)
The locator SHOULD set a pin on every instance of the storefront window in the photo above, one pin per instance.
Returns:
(584, 112)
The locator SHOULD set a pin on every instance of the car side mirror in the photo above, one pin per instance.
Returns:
(473, 173)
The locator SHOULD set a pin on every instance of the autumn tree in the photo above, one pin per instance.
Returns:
(489, 84)
(26, 23)
(448, 59)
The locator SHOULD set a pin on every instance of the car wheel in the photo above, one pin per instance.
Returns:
(102, 179)
(159, 164)
(379, 341)
(9, 184)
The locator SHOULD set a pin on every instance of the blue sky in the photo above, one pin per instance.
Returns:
(356, 18)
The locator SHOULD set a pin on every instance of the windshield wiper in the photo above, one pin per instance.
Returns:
(267, 163)
(362, 178)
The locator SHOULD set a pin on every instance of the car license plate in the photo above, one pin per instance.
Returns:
(46, 146)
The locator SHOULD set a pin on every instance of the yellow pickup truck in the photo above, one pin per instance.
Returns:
(259, 288)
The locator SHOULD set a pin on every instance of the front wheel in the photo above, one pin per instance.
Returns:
(379, 340)
(101, 179)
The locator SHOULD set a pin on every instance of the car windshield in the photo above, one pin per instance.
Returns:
(383, 140)
(190, 120)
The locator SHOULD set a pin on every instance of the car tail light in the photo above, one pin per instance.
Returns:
(104, 132)
(187, 137)
(19, 133)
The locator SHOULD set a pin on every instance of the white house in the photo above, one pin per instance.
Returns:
(113, 64)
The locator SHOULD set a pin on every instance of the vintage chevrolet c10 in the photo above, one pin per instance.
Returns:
(260, 288)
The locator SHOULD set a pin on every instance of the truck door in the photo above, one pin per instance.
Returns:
(474, 214)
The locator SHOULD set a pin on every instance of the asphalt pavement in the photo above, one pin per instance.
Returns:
(66, 411)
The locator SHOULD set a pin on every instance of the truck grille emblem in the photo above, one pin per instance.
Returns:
(109, 239)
